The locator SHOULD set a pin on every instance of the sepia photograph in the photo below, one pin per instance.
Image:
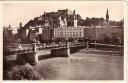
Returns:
(63, 40)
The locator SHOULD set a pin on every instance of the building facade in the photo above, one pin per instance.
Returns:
(47, 35)
(62, 23)
(69, 32)
(23, 33)
(7, 35)
(32, 35)
(99, 33)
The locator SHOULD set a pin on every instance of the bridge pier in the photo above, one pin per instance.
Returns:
(20, 59)
(61, 52)
(34, 56)
(31, 57)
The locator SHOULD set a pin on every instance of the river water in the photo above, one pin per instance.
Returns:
(82, 66)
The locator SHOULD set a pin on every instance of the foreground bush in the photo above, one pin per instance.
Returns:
(24, 72)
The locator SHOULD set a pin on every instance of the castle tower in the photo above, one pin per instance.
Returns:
(9, 27)
(20, 25)
(74, 19)
(44, 15)
(46, 21)
(65, 22)
(107, 17)
(60, 21)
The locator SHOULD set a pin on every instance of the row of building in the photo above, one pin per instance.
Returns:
(76, 33)
(60, 34)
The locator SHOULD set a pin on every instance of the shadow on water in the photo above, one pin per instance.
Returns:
(75, 50)
(42, 57)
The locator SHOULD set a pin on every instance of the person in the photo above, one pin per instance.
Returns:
(20, 48)
(87, 43)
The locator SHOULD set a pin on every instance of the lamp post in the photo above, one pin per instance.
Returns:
(87, 43)
(19, 45)
(53, 44)
(53, 40)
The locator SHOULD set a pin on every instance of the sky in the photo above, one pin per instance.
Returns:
(14, 13)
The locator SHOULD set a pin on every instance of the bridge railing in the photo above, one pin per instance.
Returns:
(29, 47)
(39, 47)
(42, 47)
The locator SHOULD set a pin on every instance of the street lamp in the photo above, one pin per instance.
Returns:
(19, 45)
(34, 41)
(19, 41)
(87, 42)
(53, 40)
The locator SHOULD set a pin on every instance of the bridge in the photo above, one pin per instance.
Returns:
(31, 52)
(39, 47)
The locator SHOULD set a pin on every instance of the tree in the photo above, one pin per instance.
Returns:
(108, 39)
(116, 40)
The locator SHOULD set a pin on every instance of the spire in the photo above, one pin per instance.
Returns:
(44, 15)
(9, 27)
(20, 24)
(107, 16)
(74, 15)
(74, 12)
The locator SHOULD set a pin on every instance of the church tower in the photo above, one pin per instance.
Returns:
(60, 21)
(74, 19)
(20, 25)
(65, 22)
(107, 17)
(46, 21)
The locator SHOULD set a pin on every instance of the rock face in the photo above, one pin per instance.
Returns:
(53, 20)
